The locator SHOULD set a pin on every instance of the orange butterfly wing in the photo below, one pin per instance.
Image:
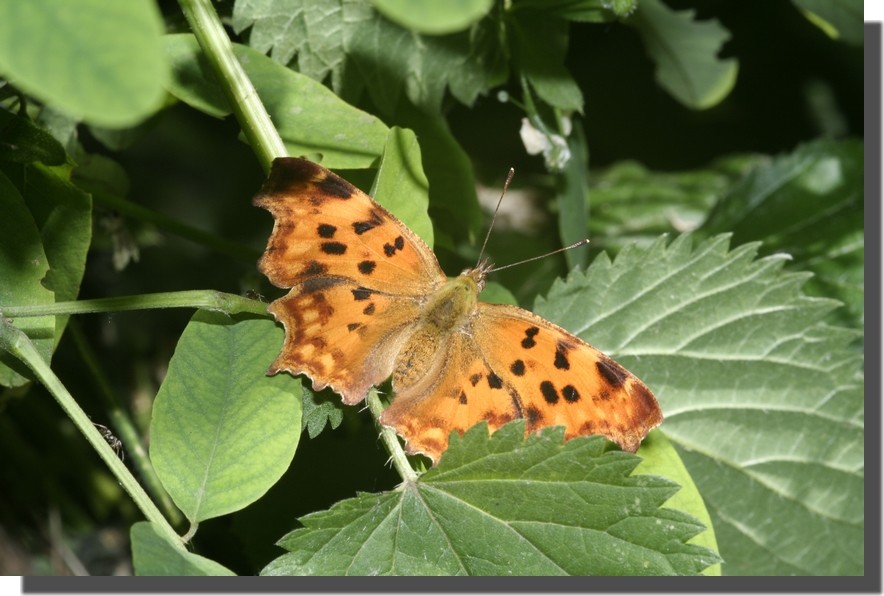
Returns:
(358, 277)
(508, 364)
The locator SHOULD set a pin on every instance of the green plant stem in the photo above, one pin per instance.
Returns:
(122, 425)
(14, 341)
(164, 222)
(265, 141)
(391, 441)
(244, 100)
(230, 304)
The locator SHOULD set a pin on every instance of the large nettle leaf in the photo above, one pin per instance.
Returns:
(361, 49)
(506, 506)
(762, 399)
(809, 204)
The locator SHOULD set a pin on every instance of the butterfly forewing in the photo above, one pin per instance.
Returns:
(326, 227)
(357, 276)
(561, 380)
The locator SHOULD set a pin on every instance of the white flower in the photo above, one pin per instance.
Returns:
(554, 147)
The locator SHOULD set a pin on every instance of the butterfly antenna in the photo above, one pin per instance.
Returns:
(569, 247)
(506, 185)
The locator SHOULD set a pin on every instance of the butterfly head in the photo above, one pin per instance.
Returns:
(479, 273)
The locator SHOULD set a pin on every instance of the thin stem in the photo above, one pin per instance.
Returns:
(244, 100)
(14, 341)
(208, 299)
(121, 424)
(391, 441)
(134, 210)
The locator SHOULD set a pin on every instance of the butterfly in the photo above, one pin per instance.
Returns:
(369, 301)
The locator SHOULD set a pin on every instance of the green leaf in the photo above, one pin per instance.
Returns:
(23, 266)
(361, 50)
(496, 293)
(285, 28)
(153, 555)
(630, 204)
(587, 11)
(660, 458)
(312, 121)
(21, 141)
(433, 17)
(763, 400)
(839, 19)
(100, 61)
(321, 409)
(454, 205)
(539, 43)
(222, 432)
(686, 54)
(505, 505)
(401, 185)
(63, 213)
(809, 204)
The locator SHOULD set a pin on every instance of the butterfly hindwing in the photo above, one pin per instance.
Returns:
(458, 391)
(332, 335)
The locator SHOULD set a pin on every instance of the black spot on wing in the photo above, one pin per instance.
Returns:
(361, 227)
(333, 248)
(570, 393)
(518, 368)
(361, 293)
(318, 284)
(561, 360)
(326, 231)
(367, 267)
(335, 186)
(314, 268)
(532, 417)
(528, 341)
(548, 390)
(615, 374)
(391, 248)
(494, 381)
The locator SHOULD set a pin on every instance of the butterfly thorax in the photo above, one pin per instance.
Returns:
(452, 304)
(448, 311)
